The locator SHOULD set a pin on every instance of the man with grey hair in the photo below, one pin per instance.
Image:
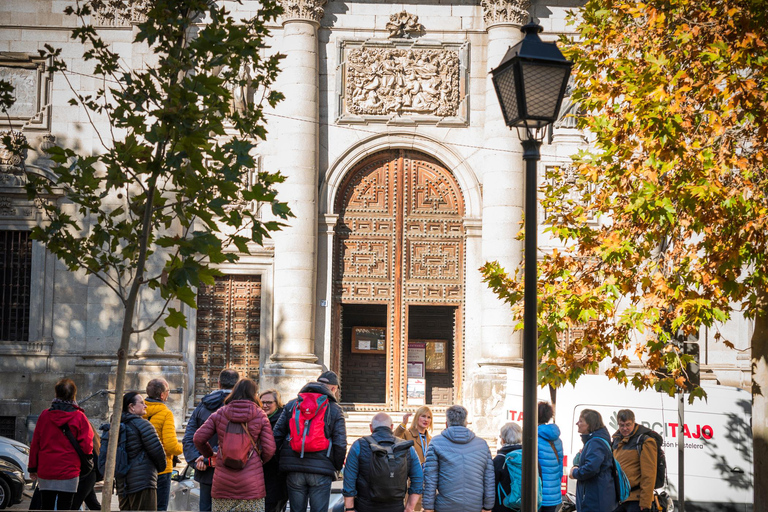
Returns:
(366, 489)
(458, 470)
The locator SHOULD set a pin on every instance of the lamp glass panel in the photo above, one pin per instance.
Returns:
(505, 86)
(542, 89)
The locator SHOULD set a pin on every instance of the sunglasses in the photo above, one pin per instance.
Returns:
(267, 402)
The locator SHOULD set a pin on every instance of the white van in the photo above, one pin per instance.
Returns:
(718, 437)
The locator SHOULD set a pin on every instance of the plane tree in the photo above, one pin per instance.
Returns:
(159, 203)
(662, 223)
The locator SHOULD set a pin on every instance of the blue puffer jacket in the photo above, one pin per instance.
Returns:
(595, 491)
(458, 473)
(551, 464)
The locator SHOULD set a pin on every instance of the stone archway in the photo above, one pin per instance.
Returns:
(398, 269)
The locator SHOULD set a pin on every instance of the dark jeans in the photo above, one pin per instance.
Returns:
(163, 491)
(303, 487)
(550, 508)
(56, 500)
(628, 506)
(205, 497)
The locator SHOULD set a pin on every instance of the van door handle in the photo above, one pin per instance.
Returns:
(737, 470)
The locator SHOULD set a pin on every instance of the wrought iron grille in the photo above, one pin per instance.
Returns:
(15, 278)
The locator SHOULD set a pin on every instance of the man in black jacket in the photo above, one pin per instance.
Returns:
(207, 406)
(310, 474)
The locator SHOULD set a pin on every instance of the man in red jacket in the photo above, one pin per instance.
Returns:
(53, 459)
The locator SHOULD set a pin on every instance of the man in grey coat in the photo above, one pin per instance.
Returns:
(458, 470)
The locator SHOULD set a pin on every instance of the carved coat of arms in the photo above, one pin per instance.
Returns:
(401, 81)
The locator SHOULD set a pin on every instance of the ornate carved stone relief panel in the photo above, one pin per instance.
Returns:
(31, 80)
(119, 13)
(403, 82)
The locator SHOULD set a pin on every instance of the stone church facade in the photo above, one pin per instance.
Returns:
(403, 178)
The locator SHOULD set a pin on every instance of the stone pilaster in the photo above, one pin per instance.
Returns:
(293, 361)
(503, 185)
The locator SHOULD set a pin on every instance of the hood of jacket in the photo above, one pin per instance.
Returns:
(550, 432)
(601, 432)
(154, 406)
(509, 448)
(215, 399)
(458, 434)
(239, 411)
(318, 387)
(60, 413)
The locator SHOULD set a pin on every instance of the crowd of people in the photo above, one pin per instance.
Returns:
(251, 452)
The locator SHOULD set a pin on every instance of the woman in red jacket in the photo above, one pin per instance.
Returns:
(238, 490)
(53, 461)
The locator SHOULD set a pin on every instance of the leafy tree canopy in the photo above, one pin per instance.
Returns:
(160, 203)
(665, 229)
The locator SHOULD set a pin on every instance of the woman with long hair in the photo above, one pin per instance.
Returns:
(419, 432)
(592, 467)
(239, 490)
(53, 459)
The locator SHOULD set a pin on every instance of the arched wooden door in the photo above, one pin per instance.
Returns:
(399, 252)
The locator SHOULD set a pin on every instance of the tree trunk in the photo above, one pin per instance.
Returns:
(117, 407)
(760, 404)
(122, 353)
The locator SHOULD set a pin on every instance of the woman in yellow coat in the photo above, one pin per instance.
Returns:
(161, 417)
(418, 432)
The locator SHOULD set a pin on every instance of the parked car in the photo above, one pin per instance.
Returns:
(185, 492)
(16, 453)
(11, 484)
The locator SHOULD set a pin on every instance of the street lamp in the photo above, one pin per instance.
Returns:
(530, 83)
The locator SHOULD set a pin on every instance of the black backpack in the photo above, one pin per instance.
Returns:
(388, 470)
(661, 459)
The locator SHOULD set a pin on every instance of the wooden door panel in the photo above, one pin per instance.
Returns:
(228, 329)
(399, 240)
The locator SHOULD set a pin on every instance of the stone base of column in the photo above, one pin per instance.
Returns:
(288, 377)
(488, 391)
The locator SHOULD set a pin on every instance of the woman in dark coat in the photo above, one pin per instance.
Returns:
(138, 490)
(277, 492)
(511, 436)
(592, 469)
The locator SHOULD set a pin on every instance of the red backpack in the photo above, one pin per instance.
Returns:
(308, 424)
(237, 446)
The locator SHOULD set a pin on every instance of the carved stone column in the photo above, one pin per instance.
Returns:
(293, 360)
(502, 210)
(503, 184)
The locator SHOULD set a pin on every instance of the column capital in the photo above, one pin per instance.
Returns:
(505, 12)
(303, 10)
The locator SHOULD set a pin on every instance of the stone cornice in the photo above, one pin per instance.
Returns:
(307, 10)
(505, 11)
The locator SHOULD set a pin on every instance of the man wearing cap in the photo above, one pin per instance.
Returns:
(310, 473)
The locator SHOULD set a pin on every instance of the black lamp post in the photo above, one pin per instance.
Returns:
(530, 83)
